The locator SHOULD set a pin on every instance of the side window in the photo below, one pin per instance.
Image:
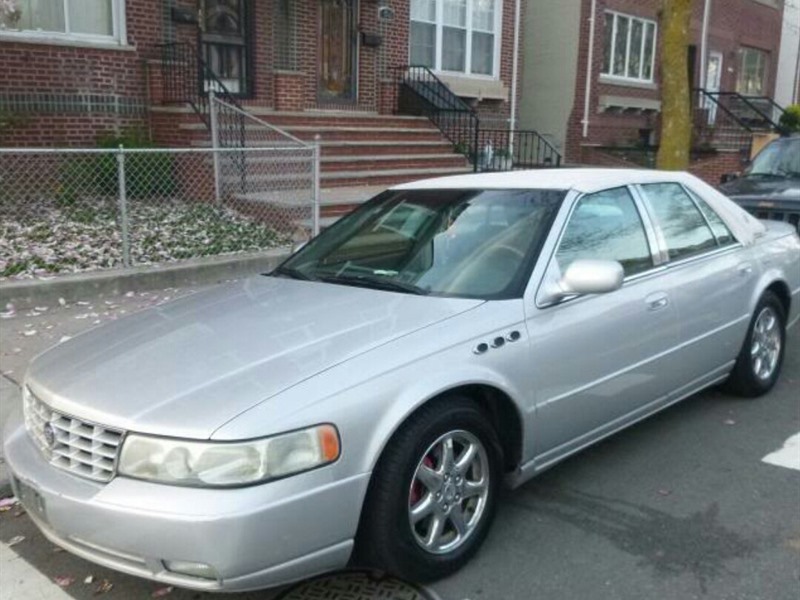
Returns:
(721, 231)
(606, 225)
(685, 230)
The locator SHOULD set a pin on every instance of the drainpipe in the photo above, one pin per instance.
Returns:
(704, 44)
(514, 76)
(589, 64)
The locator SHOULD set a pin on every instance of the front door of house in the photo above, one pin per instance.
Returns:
(712, 83)
(224, 44)
(338, 66)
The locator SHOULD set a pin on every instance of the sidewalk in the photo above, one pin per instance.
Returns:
(10, 398)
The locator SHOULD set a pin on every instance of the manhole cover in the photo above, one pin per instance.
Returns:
(355, 585)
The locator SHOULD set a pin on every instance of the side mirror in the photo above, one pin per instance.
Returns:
(584, 277)
(592, 277)
(726, 177)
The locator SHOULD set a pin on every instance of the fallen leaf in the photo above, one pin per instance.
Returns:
(89, 579)
(161, 592)
(104, 586)
(64, 581)
(16, 540)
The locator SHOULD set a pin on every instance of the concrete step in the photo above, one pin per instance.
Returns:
(387, 177)
(392, 161)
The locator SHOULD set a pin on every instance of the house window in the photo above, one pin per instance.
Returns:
(456, 36)
(752, 72)
(629, 47)
(87, 20)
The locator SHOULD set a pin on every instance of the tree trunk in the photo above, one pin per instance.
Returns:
(676, 123)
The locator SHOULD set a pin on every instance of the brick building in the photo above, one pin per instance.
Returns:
(72, 72)
(593, 85)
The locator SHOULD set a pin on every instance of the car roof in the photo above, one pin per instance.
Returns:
(744, 226)
(581, 180)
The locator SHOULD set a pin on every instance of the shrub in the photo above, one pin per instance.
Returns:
(790, 119)
(146, 174)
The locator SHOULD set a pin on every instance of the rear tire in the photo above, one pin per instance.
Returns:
(433, 494)
(758, 365)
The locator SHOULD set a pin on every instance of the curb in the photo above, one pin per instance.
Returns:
(79, 286)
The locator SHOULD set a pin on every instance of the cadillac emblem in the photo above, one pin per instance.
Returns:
(49, 435)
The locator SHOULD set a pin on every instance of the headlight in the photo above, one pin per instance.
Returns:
(225, 464)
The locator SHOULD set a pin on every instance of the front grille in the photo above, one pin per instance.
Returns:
(779, 215)
(77, 446)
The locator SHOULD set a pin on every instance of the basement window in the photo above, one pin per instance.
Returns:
(629, 48)
(93, 21)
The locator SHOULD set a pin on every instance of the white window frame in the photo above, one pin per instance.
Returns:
(118, 36)
(645, 22)
(763, 64)
(498, 35)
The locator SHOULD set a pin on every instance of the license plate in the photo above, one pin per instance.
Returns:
(31, 500)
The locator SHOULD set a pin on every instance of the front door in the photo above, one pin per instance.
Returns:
(338, 70)
(712, 83)
(600, 361)
(224, 44)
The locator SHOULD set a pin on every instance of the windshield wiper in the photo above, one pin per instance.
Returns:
(378, 283)
(294, 274)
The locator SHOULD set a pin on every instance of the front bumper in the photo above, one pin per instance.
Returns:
(252, 538)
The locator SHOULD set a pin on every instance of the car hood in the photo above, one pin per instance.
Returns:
(763, 188)
(187, 367)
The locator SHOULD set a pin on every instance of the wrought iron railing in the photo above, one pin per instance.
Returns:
(421, 92)
(760, 113)
(506, 150)
(187, 79)
(716, 127)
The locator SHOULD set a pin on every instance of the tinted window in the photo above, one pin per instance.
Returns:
(606, 226)
(685, 230)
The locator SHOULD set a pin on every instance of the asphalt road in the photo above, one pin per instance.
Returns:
(678, 507)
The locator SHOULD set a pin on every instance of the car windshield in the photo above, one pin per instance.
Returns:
(781, 158)
(465, 243)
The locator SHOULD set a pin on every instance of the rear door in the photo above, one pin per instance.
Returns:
(709, 277)
(598, 361)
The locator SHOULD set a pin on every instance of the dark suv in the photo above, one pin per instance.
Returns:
(770, 187)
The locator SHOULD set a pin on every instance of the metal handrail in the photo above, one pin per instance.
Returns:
(460, 124)
(749, 102)
(711, 96)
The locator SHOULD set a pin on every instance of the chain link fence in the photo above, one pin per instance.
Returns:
(77, 210)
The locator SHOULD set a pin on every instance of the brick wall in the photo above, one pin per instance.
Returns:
(82, 92)
(733, 24)
(69, 95)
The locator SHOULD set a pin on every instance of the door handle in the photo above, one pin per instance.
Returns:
(657, 301)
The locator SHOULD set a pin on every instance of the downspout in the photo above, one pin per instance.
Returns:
(704, 44)
(514, 77)
(589, 62)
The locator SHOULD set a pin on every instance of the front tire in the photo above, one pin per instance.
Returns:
(758, 365)
(433, 494)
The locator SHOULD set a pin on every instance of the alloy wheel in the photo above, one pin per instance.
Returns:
(449, 492)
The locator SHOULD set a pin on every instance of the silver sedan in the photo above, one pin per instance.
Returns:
(364, 402)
